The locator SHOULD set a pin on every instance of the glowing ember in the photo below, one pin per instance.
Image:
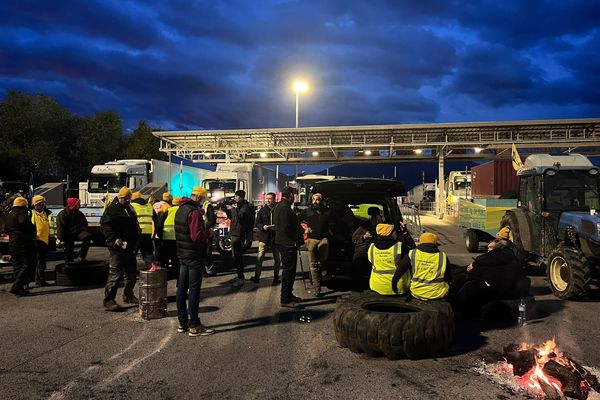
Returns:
(549, 372)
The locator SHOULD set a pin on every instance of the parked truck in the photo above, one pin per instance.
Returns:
(555, 223)
(458, 186)
(221, 185)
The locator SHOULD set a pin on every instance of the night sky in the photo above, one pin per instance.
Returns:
(230, 64)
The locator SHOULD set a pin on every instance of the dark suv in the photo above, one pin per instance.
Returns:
(348, 199)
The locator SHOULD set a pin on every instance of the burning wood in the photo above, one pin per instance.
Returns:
(548, 371)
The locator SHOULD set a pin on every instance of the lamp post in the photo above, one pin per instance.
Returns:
(299, 87)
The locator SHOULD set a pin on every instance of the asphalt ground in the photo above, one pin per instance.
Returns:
(61, 344)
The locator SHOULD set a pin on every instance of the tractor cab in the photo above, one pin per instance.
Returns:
(555, 223)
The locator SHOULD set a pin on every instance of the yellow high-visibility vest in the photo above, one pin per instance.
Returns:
(144, 216)
(428, 271)
(169, 228)
(384, 266)
(42, 225)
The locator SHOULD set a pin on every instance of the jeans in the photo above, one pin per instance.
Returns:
(122, 263)
(289, 259)
(188, 288)
(237, 252)
(24, 267)
(262, 249)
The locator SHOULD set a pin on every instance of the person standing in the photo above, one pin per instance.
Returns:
(239, 229)
(318, 219)
(40, 218)
(71, 225)
(191, 236)
(264, 225)
(288, 236)
(146, 218)
(21, 245)
(121, 229)
(166, 249)
(165, 203)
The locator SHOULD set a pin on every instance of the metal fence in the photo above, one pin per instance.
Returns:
(412, 219)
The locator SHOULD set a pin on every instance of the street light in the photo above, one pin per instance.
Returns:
(299, 87)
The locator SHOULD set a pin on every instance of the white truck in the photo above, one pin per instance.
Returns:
(151, 177)
(458, 186)
(221, 185)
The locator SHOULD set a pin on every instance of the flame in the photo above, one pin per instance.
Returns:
(545, 352)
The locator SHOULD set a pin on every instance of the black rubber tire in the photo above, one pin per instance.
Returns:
(510, 220)
(89, 273)
(224, 245)
(568, 272)
(471, 240)
(420, 329)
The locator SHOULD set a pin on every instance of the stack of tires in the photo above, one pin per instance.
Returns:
(397, 327)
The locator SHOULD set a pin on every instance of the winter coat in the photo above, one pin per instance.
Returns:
(499, 268)
(318, 220)
(120, 222)
(21, 231)
(241, 219)
(69, 224)
(191, 234)
(265, 217)
(288, 231)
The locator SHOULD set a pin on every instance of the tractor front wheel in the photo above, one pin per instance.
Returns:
(568, 272)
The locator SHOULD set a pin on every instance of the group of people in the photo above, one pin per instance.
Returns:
(30, 233)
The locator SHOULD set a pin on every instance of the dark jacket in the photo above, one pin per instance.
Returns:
(241, 219)
(120, 222)
(191, 234)
(318, 220)
(288, 231)
(405, 263)
(499, 267)
(361, 245)
(265, 217)
(69, 224)
(21, 231)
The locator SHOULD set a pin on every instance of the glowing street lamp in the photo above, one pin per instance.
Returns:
(418, 151)
(299, 87)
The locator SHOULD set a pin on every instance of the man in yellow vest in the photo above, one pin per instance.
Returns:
(430, 269)
(40, 218)
(165, 234)
(385, 255)
(146, 217)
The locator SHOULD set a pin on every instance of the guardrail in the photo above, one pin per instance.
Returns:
(412, 220)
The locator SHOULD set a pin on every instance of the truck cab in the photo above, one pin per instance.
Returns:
(555, 223)
(110, 177)
(459, 186)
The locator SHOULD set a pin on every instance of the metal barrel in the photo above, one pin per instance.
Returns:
(153, 294)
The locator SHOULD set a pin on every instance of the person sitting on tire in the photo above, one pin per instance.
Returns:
(385, 255)
(491, 276)
(71, 225)
(362, 239)
(429, 267)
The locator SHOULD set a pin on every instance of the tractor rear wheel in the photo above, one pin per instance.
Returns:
(568, 272)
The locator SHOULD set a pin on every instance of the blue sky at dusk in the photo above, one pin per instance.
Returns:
(229, 64)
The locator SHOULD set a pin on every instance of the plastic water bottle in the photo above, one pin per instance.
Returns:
(522, 320)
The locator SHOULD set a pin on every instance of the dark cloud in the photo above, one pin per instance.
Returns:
(211, 64)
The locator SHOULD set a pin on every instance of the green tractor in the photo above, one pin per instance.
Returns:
(555, 223)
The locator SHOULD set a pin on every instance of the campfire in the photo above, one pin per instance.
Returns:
(546, 371)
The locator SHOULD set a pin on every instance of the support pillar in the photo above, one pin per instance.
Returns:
(441, 192)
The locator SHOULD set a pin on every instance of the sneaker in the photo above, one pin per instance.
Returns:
(276, 281)
(183, 328)
(291, 304)
(237, 282)
(111, 305)
(255, 280)
(296, 299)
(130, 299)
(200, 331)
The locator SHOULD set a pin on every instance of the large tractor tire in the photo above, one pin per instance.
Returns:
(510, 220)
(471, 240)
(395, 326)
(568, 272)
(89, 273)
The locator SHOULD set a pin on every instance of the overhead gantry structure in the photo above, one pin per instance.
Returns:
(383, 143)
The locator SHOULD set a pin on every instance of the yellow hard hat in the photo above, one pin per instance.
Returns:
(136, 195)
(20, 202)
(37, 199)
(176, 200)
(124, 192)
(504, 233)
(167, 196)
(199, 191)
(384, 229)
(428, 237)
